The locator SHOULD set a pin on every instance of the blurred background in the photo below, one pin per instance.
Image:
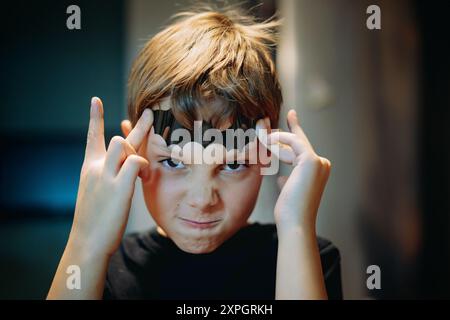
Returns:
(375, 102)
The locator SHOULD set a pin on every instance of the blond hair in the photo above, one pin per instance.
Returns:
(206, 54)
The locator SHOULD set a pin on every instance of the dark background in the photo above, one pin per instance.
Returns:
(48, 76)
(435, 150)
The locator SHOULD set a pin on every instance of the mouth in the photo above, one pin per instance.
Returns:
(200, 224)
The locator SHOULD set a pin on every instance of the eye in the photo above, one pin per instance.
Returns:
(234, 166)
(172, 163)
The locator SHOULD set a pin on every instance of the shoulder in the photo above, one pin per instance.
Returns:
(126, 265)
(135, 247)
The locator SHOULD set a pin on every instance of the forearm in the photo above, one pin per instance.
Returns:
(299, 271)
(92, 275)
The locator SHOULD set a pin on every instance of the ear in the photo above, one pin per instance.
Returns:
(126, 127)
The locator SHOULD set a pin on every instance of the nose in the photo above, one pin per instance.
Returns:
(202, 196)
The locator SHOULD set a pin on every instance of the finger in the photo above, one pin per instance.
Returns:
(294, 125)
(287, 138)
(118, 150)
(283, 152)
(132, 167)
(281, 181)
(158, 144)
(140, 131)
(95, 145)
(126, 127)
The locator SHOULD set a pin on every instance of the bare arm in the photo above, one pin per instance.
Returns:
(299, 270)
(92, 275)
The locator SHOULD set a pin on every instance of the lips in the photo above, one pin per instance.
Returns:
(200, 224)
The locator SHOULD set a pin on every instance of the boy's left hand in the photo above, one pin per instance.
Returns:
(301, 192)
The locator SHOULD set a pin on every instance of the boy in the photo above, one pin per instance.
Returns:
(216, 68)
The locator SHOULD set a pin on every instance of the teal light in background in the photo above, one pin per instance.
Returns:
(49, 73)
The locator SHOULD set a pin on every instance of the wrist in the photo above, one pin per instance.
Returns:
(297, 230)
(85, 252)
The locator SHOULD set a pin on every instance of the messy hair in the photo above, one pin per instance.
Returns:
(206, 54)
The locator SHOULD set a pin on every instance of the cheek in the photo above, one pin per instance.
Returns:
(162, 192)
(240, 197)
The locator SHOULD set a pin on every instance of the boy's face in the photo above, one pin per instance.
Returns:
(198, 206)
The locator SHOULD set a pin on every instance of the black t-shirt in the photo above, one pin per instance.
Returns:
(150, 266)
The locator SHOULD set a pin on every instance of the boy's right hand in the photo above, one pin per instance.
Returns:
(106, 186)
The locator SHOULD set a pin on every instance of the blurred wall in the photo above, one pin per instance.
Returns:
(318, 59)
(355, 91)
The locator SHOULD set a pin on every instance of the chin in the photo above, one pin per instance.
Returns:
(196, 246)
